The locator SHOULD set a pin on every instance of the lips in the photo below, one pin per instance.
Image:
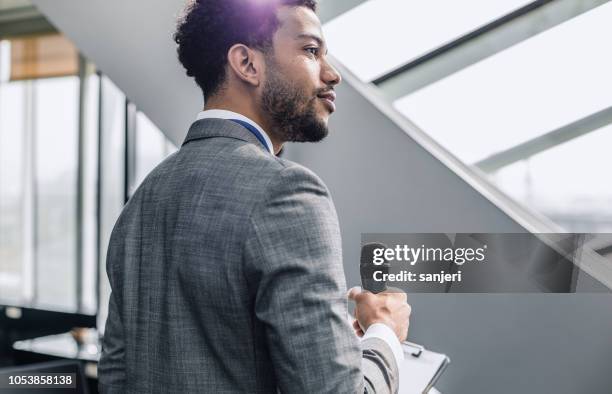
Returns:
(328, 99)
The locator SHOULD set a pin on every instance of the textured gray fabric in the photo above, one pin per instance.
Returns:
(226, 277)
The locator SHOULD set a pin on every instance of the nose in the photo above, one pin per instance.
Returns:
(330, 75)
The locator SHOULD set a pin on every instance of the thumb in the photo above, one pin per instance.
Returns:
(354, 292)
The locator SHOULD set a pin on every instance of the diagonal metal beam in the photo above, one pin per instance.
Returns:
(480, 44)
(551, 139)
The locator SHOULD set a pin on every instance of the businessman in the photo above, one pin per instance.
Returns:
(226, 264)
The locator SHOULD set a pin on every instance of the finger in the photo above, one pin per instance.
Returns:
(354, 292)
(396, 293)
(391, 289)
(358, 329)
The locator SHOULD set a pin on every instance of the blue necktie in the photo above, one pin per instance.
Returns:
(253, 130)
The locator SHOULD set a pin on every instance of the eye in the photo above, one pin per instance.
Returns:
(312, 50)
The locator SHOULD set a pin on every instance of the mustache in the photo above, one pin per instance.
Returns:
(324, 90)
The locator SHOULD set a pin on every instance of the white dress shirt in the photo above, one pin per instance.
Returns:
(384, 332)
(224, 114)
(378, 330)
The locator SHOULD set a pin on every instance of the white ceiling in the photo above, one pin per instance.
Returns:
(131, 42)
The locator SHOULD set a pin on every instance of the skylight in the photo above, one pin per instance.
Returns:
(534, 87)
(381, 35)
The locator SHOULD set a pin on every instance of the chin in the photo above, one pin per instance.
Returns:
(324, 118)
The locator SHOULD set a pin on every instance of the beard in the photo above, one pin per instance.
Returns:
(291, 110)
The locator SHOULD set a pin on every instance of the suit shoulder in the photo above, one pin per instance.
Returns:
(292, 169)
(295, 178)
(274, 168)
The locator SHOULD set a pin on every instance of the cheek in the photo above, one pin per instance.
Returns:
(306, 72)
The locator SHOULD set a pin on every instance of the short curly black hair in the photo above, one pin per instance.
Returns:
(209, 28)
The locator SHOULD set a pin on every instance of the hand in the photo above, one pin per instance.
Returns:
(357, 328)
(389, 308)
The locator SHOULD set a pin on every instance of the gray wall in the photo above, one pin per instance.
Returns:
(542, 343)
(382, 181)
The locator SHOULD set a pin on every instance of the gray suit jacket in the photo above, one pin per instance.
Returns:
(226, 276)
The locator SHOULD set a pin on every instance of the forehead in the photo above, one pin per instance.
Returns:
(295, 21)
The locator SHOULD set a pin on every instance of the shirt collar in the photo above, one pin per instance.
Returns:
(225, 114)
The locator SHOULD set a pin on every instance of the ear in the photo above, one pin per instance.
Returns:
(245, 64)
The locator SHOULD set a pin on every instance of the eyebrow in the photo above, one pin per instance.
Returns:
(314, 37)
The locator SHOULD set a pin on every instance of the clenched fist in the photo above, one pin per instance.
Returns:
(389, 308)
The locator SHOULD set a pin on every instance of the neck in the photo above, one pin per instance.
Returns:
(247, 110)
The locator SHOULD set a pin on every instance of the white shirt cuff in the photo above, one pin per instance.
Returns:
(384, 332)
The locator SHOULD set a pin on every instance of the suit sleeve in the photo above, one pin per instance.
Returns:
(111, 368)
(294, 260)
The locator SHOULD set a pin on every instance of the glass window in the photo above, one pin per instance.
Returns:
(90, 193)
(532, 88)
(381, 35)
(150, 147)
(39, 169)
(112, 138)
(48, 150)
(14, 236)
(569, 183)
(5, 60)
(56, 156)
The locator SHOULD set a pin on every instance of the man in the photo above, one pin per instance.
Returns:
(225, 265)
